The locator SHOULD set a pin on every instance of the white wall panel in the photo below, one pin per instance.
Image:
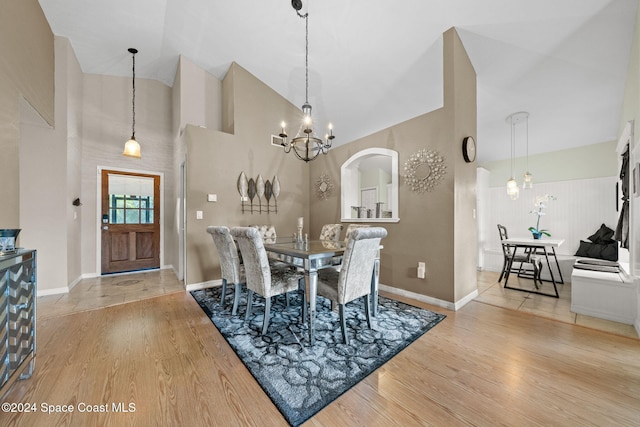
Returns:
(581, 206)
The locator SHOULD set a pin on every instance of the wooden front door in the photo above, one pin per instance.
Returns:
(130, 221)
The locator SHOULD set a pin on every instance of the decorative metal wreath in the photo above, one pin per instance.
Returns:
(424, 170)
(323, 186)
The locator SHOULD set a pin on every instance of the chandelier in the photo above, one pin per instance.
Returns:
(131, 147)
(306, 145)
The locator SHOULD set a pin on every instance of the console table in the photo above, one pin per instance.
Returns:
(17, 316)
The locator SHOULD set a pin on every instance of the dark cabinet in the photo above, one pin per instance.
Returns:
(17, 316)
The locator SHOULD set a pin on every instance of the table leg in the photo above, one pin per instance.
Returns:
(311, 283)
(553, 250)
(375, 280)
(553, 280)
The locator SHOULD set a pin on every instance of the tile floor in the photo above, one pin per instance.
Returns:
(492, 292)
(105, 291)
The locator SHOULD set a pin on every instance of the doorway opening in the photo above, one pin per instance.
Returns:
(130, 221)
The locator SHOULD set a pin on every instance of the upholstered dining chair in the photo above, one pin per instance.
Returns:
(261, 278)
(354, 278)
(524, 258)
(331, 232)
(232, 270)
(351, 228)
(268, 232)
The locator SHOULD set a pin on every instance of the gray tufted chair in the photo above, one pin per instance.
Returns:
(331, 232)
(354, 278)
(230, 266)
(351, 228)
(268, 232)
(261, 279)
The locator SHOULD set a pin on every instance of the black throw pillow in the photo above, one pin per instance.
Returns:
(608, 251)
(583, 250)
(603, 235)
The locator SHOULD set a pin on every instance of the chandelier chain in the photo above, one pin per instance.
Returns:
(306, 55)
(133, 99)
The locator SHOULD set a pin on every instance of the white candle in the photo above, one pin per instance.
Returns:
(301, 222)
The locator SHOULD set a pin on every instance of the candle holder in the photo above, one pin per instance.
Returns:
(299, 235)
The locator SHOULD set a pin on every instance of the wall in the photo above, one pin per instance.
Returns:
(436, 227)
(197, 100)
(50, 178)
(106, 126)
(631, 112)
(589, 161)
(215, 159)
(585, 199)
(26, 69)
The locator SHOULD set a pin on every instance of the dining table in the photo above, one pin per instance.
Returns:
(314, 255)
(545, 247)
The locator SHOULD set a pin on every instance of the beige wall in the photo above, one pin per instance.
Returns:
(106, 126)
(26, 69)
(215, 160)
(427, 221)
(50, 178)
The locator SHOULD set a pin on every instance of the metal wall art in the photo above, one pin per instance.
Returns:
(323, 186)
(259, 190)
(424, 170)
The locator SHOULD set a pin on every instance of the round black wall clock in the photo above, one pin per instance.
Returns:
(469, 149)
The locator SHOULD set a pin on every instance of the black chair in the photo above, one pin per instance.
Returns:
(524, 258)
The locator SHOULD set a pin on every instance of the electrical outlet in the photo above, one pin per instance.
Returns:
(199, 215)
(422, 268)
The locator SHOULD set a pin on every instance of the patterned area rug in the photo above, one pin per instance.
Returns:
(301, 380)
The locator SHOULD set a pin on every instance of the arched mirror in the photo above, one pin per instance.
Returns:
(369, 186)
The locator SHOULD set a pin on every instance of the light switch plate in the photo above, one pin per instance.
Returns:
(212, 197)
(199, 215)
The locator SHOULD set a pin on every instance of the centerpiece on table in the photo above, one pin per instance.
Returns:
(539, 205)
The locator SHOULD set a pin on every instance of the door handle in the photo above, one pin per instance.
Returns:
(105, 227)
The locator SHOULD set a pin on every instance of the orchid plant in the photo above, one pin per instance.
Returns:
(539, 205)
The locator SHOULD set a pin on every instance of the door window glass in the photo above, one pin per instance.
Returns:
(130, 199)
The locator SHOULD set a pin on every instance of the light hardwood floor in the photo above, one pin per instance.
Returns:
(483, 365)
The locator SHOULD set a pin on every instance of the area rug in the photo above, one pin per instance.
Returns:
(299, 379)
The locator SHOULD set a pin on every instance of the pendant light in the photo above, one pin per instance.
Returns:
(306, 145)
(512, 186)
(528, 177)
(131, 147)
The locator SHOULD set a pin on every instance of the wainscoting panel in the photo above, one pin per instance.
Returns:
(581, 206)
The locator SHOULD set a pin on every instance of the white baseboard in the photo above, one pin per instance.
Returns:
(54, 291)
(75, 282)
(204, 285)
(464, 301)
(429, 300)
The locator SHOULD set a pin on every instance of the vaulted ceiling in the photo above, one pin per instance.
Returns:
(376, 63)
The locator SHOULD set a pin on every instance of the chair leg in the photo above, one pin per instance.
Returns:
(267, 314)
(286, 299)
(367, 308)
(504, 269)
(236, 299)
(540, 271)
(343, 324)
(249, 298)
(224, 292)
